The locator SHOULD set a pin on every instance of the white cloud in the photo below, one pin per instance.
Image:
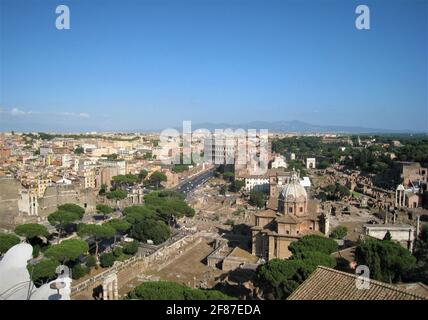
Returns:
(72, 114)
(17, 112)
(84, 115)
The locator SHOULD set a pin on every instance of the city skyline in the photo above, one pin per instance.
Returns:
(150, 65)
(214, 155)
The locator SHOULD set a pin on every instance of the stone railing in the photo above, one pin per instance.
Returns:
(160, 256)
(118, 266)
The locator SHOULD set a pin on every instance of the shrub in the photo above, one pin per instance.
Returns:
(7, 241)
(339, 232)
(131, 247)
(91, 261)
(229, 222)
(36, 251)
(78, 271)
(107, 260)
(117, 252)
(257, 199)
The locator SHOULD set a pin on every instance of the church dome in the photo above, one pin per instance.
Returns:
(294, 191)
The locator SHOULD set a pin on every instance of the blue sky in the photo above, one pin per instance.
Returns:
(129, 65)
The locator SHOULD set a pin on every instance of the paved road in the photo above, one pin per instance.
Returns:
(189, 185)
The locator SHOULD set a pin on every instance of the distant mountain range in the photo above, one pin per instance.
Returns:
(295, 126)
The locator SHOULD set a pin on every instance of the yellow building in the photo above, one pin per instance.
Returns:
(294, 216)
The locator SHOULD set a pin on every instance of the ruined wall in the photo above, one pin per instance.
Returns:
(9, 196)
(60, 194)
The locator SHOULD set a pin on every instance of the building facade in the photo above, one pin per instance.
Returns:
(274, 230)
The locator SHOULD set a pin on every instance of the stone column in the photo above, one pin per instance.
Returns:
(327, 223)
(418, 225)
(115, 291)
(110, 291)
(105, 295)
(399, 198)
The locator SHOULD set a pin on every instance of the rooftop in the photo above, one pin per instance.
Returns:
(330, 284)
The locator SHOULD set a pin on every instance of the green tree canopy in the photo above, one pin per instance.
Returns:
(180, 168)
(421, 245)
(339, 232)
(313, 243)
(31, 230)
(142, 175)
(43, 271)
(125, 180)
(120, 225)
(284, 276)
(104, 209)
(131, 247)
(67, 250)
(237, 185)
(168, 205)
(7, 241)
(61, 219)
(71, 207)
(79, 150)
(157, 177)
(257, 199)
(229, 176)
(107, 260)
(117, 194)
(388, 261)
(150, 229)
(420, 272)
(335, 191)
(98, 232)
(324, 164)
(95, 230)
(312, 259)
(78, 271)
(103, 190)
(168, 290)
(134, 214)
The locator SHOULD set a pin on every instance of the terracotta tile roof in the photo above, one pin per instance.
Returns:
(266, 213)
(288, 219)
(417, 288)
(242, 254)
(329, 284)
